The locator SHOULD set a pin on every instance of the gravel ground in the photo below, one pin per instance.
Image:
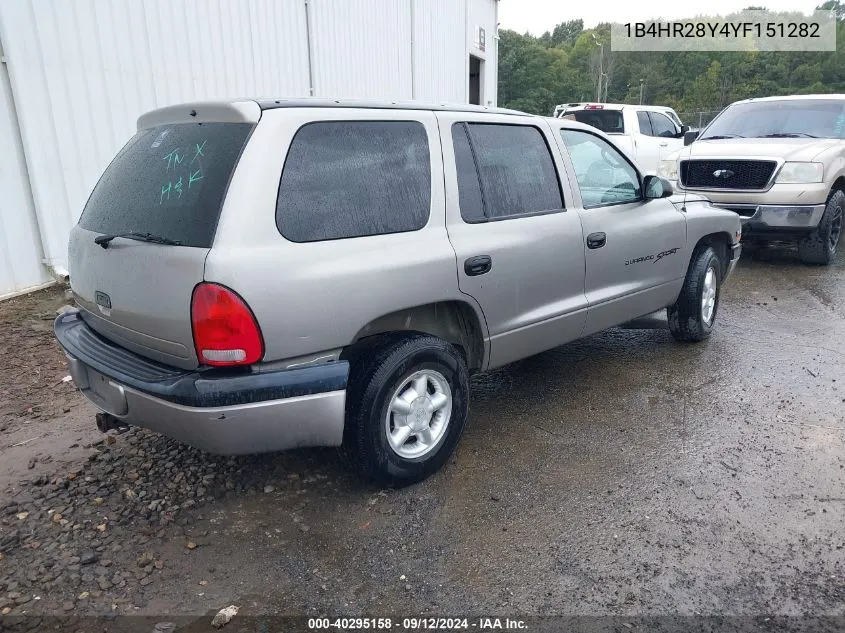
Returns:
(620, 475)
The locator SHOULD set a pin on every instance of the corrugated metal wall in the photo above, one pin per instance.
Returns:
(82, 71)
(484, 14)
(440, 50)
(20, 246)
(351, 59)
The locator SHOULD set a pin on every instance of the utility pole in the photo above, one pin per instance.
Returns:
(601, 65)
(641, 90)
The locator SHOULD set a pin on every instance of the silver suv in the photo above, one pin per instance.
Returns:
(262, 275)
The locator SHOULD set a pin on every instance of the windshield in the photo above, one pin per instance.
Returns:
(608, 121)
(803, 118)
(168, 181)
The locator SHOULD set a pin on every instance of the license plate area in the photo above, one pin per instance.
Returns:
(104, 393)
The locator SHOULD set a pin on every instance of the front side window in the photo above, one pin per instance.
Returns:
(604, 176)
(346, 179)
(504, 171)
(662, 125)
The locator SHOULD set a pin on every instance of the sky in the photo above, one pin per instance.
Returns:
(538, 16)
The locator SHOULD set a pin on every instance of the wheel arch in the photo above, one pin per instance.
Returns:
(721, 242)
(838, 185)
(454, 321)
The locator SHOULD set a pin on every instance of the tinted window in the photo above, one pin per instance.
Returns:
(168, 180)
(672, 115)
(824, 118)
(469, 187)
(515, 169)
(608, 121)
(604, 176)
(645, 123)
(662, 125)
(355, 178)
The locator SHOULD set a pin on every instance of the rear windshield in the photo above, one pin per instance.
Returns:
(608, 121)
(168, 180)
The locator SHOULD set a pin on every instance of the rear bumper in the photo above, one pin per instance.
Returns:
(223, 412)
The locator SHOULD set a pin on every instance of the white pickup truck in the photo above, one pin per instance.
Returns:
(646, 133)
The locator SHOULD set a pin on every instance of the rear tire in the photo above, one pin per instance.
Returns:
(407, 406)
(819, 247)
(692, 316)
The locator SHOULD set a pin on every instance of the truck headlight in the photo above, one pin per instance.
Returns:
(668, 169)
(801, 173)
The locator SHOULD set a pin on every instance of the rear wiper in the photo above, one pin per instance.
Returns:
(104, 240)
(720, 136)
(789, 135)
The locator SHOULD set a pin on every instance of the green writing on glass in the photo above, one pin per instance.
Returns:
(173, 159)
(197, 175)
(165, 191)
(176, 177)
(198, 150)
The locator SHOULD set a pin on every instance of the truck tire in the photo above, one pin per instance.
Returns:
(406, 408)
(819, 247)
(691, 317)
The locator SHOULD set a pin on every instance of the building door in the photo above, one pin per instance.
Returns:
(475, 66)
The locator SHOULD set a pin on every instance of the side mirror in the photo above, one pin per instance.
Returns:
(684, 130)
(656, 187)
(690, 136)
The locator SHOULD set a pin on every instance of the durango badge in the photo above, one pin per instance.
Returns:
(652, 258)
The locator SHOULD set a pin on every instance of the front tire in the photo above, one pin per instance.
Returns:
(407, 406)
(692, 316)
(819, 247)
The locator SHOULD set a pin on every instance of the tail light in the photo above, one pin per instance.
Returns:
(594, 107)
(225, 330)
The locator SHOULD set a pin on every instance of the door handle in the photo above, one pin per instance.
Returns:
(478, 265)
(664, 144)
(596, 240)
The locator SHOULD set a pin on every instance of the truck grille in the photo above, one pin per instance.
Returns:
(727, 174)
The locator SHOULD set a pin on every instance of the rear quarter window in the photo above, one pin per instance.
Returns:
(346, 179)
(169, 180)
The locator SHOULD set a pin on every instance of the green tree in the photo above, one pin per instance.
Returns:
(563, 66)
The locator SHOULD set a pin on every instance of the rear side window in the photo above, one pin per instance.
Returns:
(355, 178)
(504, 171)
(168, 180)
(645, 123)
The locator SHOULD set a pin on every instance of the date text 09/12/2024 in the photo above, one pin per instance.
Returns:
(416, 624)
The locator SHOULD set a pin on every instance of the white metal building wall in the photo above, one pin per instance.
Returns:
(484, 14)
(351, 58)
(82, 71)
(20, 246)
(439, 40)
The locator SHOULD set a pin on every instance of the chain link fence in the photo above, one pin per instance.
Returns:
(698, 119)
